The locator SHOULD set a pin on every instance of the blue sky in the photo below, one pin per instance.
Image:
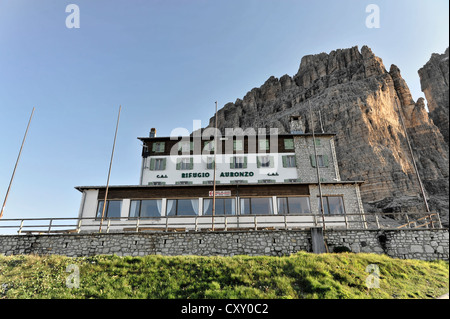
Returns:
(166, 62)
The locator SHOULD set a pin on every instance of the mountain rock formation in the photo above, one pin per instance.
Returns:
(369, 109)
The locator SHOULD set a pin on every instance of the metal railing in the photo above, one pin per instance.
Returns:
(218, 223)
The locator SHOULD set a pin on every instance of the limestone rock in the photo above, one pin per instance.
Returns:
(434, 83)
(364, 105)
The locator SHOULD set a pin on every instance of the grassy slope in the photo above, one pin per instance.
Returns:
(302, 275)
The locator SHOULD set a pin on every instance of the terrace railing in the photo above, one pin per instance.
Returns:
(51, 226)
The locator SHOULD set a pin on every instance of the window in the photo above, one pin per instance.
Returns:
(288, 143)
(263, 144)
(157, 164)
(112, 209)
(238, 162)
(238, 145)
(145, 208)
(332, 205)
(322, 160)
(211, 182)
(317, 141)
(224, 206)
(185, 146)
(289, 161)
(239, 181)
(256, 206)
(265, 161)
(293, 205)
(182, 207)
(209, 146)
(158, 147)
(184, 183)
(157, 183)
(292, 180)
(210, 163)
(266, 181)
(185, 163)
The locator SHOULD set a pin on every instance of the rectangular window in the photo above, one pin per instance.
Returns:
(238, 162)
(224, 206)
(185, 146)
(288, 143)
(239, 181)
(263, 144)
(185, 163)
(112, 209)
(265, 161)
(209, 146)
(317, 141)
(157, 164)
(182, 207)
(322, 160)
(289, 161)
(145, 208)
(157, 183)
(266, 181)
(184, 183)
(293, 205)
(210, 182)
(238, 145)
(158, 147)
(292, 180)
(332, 205)
(256, 206)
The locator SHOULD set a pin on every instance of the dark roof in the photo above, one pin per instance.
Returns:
(223, 136)
(81, 188)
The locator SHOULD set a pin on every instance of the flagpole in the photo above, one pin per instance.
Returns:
(109, 171)
(17, 162)
(214, 181)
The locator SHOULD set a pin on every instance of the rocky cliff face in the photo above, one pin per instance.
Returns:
(434, 83)
(365, 105)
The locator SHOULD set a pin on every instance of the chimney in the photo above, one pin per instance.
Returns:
(153, 132)
(296, 125)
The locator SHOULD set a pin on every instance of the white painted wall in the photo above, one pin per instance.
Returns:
(223, 166)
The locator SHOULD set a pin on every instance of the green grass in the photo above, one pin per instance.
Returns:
(301, 275)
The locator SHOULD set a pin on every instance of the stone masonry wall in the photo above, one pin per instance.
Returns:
(426, 244)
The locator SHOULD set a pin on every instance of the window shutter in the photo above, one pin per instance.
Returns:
(245, 162)
(162, 147)
(154, 147)
(258, 162)
(178, 164)
(163, 164)
(152, 163)
(232, 162)
(317, 141)
(271, 162)
(191, 146)
(191, 164)
(325, 160)
(313, 160)
(284, 161)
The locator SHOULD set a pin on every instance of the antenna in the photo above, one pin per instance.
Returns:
(17, 162)
(109, 172)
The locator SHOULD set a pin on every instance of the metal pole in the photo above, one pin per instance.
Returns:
(15, 167)
(109, 171)
(214, 180)
(317, 169)
(413, 158)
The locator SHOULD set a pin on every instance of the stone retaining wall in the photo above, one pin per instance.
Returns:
(426, 244)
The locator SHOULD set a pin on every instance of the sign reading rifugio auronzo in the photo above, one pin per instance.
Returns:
(222, 174)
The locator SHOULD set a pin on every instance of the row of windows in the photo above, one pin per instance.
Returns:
(237, 162)
(238, 145)
(333, 205)
(237, 181)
